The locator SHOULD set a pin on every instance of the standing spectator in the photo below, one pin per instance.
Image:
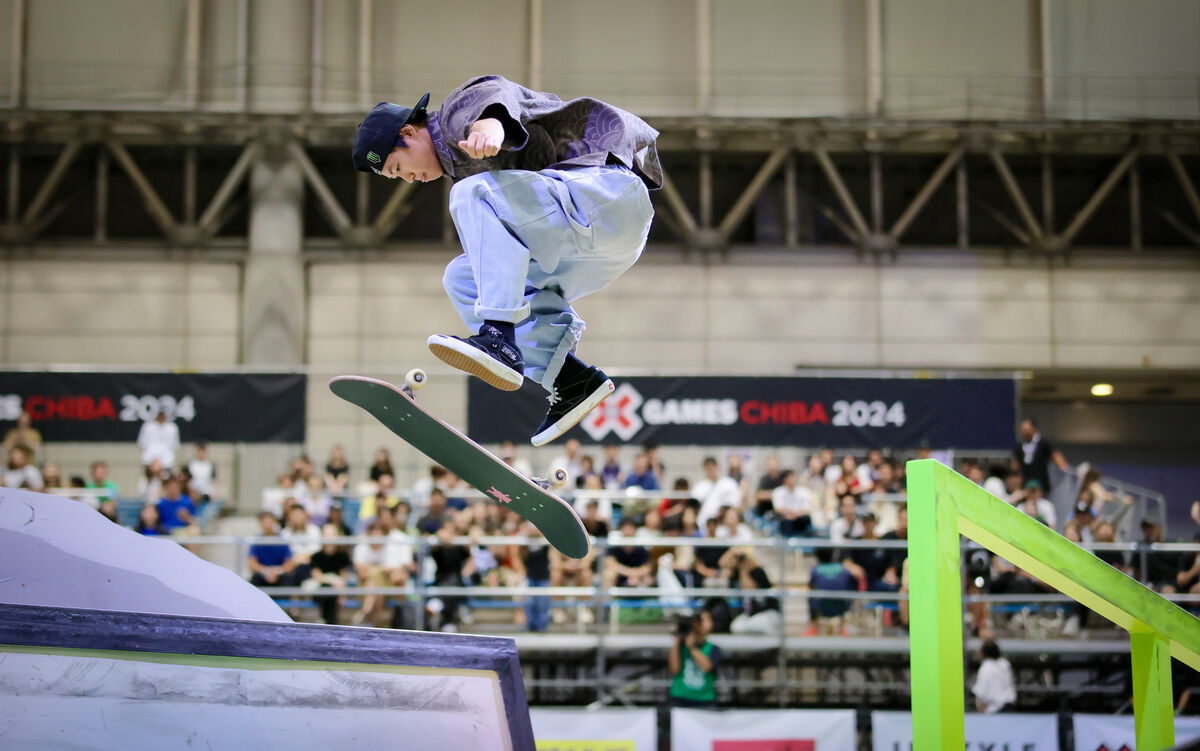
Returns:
(847, 524)
(771, 479)
(175, 509)
(24, 436)
(642, 475)
(994, 688)
(1033, 454)
(337, 470)
(715, 491)
(328, 567)
(19, 473)
(693, 662)
(204, 473)
(382, 465)
(149, 522)
(159, 439)
(537, 574)
(795, 505)
(271, 563)
(611, 473)
(627, 565)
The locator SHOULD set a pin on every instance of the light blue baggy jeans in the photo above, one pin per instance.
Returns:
(535, 242)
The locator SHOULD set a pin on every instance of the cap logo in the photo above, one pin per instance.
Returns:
(373, 158)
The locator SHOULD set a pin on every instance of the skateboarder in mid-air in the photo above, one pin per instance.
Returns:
(550, 201)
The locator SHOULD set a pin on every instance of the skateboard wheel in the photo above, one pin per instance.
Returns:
(415, 379)
(559, 479)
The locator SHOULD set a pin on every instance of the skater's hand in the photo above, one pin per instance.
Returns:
(484, 140)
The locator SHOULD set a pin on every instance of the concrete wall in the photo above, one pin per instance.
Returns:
(940, 58)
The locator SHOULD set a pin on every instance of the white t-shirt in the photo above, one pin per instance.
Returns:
(303, 543)
(399, 552)
(995, 486)
(370, 553)
(714, 495)
(839, 529)
(743, 532)
(994, 685)
(27, 475)
(158, 441)
(798, 500)
(866, 475)
(203, 474)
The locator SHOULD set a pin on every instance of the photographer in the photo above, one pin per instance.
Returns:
(693, 663)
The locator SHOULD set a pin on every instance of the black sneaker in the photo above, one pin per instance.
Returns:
(487, 355)
(571, 400)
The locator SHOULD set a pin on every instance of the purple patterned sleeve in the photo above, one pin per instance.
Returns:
(501, 97)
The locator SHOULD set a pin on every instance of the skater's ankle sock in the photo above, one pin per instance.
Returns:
(506, 329)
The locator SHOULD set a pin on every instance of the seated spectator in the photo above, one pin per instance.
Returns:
(900, 558)
(337, 519)
(1037, 506)
(51, 477)
(595, 525)
(271, 563)
(760, 613)
(642, 475)
(1187, 579)
(888, 480)
(437, 515)
(24, 436)
(150, 484)
(1079, 527)
(454, 489)
(715, 491)
(611, 473)
(873, 567)
(316, 499)
(328, 567)
(148, 522)
(868, 471)
(847, 524)
(382, 465)
(651, 525)
(996, 482)
(108, 500)
(771, 479)
(732, 527)
(627, 565)
(828, 575)
(337, 470)
(587, 470)
(814, 476)
(1161, 566)
(19, 473)
(382, 497)
(371, 566)
(203, 473)
(508, 455)
(708, 557)
(484, 566)
(303, 537)
(1106, 533)
(687, 523)
(848, 482)
(795, 506)
(175, 509)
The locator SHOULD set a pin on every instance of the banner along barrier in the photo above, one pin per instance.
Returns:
(1105, 732)
(943, 504)
(966, 413)
(892, 731)
(111, 407)
(582, 729)
(763, 729)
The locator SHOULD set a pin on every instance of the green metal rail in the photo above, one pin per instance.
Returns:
(943, 504)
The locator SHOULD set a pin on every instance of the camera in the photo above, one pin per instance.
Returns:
(683, 626)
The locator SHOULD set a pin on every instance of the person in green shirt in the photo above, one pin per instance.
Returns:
(693, 663)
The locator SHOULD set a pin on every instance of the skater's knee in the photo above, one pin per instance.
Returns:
(469, 192)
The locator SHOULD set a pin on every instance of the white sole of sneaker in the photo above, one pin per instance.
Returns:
(469, 359)
(572, 418)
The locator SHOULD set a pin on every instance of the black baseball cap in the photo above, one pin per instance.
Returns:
(379, 131)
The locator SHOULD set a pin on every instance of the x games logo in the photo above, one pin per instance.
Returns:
(618, 414)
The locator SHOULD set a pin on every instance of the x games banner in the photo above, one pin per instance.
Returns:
(111, 407)
(843, 412)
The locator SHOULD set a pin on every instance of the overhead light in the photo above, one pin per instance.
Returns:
(1102, 389)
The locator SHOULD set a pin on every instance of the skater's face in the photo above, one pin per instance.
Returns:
(413, 160)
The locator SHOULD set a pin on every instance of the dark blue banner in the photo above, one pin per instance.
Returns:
(739, 411)
(111, 407)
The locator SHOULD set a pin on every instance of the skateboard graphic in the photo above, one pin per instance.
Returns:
(398, 410)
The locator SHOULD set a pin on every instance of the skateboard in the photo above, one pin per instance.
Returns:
(398, 410)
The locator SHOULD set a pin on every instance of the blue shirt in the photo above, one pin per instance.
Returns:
(647, 481)
(271, 555)
(168, 512)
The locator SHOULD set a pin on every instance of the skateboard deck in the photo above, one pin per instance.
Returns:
(478, 467)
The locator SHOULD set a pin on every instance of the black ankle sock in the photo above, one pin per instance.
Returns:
(506, 329)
